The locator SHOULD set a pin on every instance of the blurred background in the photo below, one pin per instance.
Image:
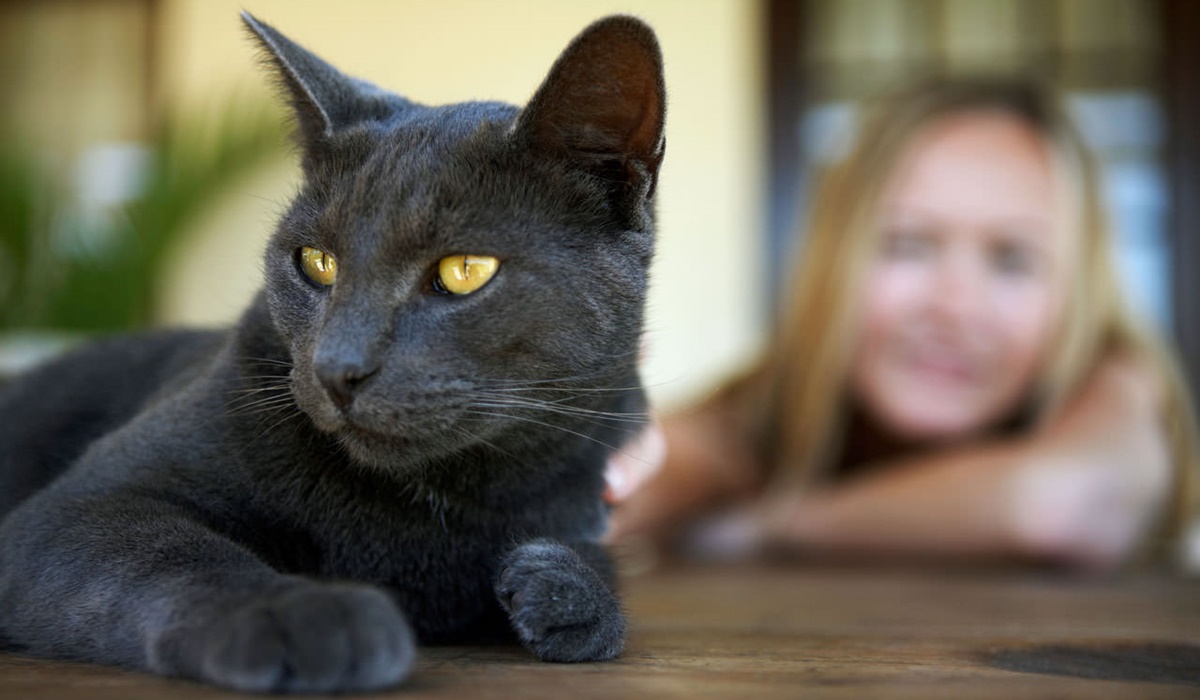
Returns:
(143, 157)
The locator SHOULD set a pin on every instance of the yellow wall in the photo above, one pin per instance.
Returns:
(58, 56)
(702, 308)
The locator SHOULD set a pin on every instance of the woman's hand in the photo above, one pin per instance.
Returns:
(775, 522)
(679, 467)
(635, 463)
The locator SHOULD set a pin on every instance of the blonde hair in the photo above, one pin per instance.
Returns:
(795, 400)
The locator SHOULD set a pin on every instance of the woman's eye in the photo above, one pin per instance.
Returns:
(463, 274)
(907, 245)
(318, 266)
(1011, 259)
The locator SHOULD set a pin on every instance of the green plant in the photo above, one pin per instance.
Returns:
(109, 286)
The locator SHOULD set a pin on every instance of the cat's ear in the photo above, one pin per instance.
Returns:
(323, 98)
(604, 104)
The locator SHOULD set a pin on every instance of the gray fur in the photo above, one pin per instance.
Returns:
(196, 504)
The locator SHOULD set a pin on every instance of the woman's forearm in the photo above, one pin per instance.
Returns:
(702, 468)
(949, 505)
(1083, 491)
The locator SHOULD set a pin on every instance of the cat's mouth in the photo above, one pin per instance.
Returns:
(371, 427)
(394, 424)
(392, 437)
(358, 431)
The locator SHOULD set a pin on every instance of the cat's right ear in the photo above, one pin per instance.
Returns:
(322, 97)
(603, 105)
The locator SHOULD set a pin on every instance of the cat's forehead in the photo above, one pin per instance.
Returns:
(443, 177)
(430, 131)
(446, 147)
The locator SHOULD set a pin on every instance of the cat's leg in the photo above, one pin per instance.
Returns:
(140, 584)
(561, 601)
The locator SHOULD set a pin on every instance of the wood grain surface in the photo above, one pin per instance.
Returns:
(797, 632)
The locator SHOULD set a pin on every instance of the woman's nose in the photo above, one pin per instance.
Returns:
(957, 289)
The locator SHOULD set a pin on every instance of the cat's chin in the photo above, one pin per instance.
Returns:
(374, 452)
(391, 451)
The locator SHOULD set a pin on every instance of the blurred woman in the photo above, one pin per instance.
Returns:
(956, 372)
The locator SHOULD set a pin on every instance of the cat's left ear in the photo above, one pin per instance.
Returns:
(603, 105)
(324, 99)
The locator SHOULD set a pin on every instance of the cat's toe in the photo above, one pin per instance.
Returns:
(558, 605)
(315, 639)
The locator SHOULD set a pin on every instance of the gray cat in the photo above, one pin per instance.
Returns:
(404, 436)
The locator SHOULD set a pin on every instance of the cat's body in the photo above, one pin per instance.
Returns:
(281, 506)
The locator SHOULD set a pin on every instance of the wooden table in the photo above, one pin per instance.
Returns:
(798, 632)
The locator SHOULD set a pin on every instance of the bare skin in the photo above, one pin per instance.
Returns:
(1080, 492)
(960, 311)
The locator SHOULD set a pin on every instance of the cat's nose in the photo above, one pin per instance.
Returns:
(342, 379)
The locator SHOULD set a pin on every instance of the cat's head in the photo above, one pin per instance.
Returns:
(459, 275)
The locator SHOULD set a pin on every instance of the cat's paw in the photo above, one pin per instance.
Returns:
(558, 605)
(320, 638)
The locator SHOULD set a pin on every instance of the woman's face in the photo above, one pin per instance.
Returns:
(967, 285)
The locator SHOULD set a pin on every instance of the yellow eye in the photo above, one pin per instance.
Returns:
(463, 274)
(321, 267)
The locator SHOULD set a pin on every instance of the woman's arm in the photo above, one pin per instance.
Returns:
(703, 465)
(1083, 490)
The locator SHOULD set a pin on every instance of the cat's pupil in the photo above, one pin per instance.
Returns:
(463, 274)
(318, 266)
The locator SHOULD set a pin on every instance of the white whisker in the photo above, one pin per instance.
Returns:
(541, 423)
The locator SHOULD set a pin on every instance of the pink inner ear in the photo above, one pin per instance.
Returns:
(647, 133)
(604, 94)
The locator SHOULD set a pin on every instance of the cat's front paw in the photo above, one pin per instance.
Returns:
(320, 638)
(558, 605)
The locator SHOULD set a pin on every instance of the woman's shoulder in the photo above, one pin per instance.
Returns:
(1130, 376)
